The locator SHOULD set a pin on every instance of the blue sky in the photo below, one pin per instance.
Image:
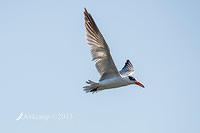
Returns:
(45, 61)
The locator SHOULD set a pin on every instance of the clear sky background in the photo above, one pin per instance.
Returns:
(45, 61)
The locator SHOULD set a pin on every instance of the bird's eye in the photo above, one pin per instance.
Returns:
(131, 78)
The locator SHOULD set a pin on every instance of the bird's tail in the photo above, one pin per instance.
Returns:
(93, 87)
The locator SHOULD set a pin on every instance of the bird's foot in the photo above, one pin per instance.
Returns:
(94, 90)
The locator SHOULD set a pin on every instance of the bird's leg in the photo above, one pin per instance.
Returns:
(94, 90)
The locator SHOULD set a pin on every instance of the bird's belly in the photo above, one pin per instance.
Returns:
(112, 83)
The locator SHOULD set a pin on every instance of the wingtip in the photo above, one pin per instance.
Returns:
(127, 61)
(85, 10)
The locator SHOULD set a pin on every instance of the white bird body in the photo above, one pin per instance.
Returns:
(113, 83)
(110, 76)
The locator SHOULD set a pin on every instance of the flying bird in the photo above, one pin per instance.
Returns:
(110, 76)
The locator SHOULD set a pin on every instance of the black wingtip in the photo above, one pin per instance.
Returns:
(85, 10)
(128, 61)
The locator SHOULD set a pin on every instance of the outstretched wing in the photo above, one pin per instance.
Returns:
(127, 69)
(99, 49)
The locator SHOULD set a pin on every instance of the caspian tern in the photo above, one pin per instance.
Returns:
(110, 76)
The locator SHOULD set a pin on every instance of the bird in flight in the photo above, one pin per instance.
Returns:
(110, 76)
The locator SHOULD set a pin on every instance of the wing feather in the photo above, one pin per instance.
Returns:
(99, 49)
(127, 69)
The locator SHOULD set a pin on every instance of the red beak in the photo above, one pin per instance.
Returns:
(140, 84)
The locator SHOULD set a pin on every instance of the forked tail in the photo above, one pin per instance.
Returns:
(93, 87)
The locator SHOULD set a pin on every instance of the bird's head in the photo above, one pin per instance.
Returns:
(132, 80)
